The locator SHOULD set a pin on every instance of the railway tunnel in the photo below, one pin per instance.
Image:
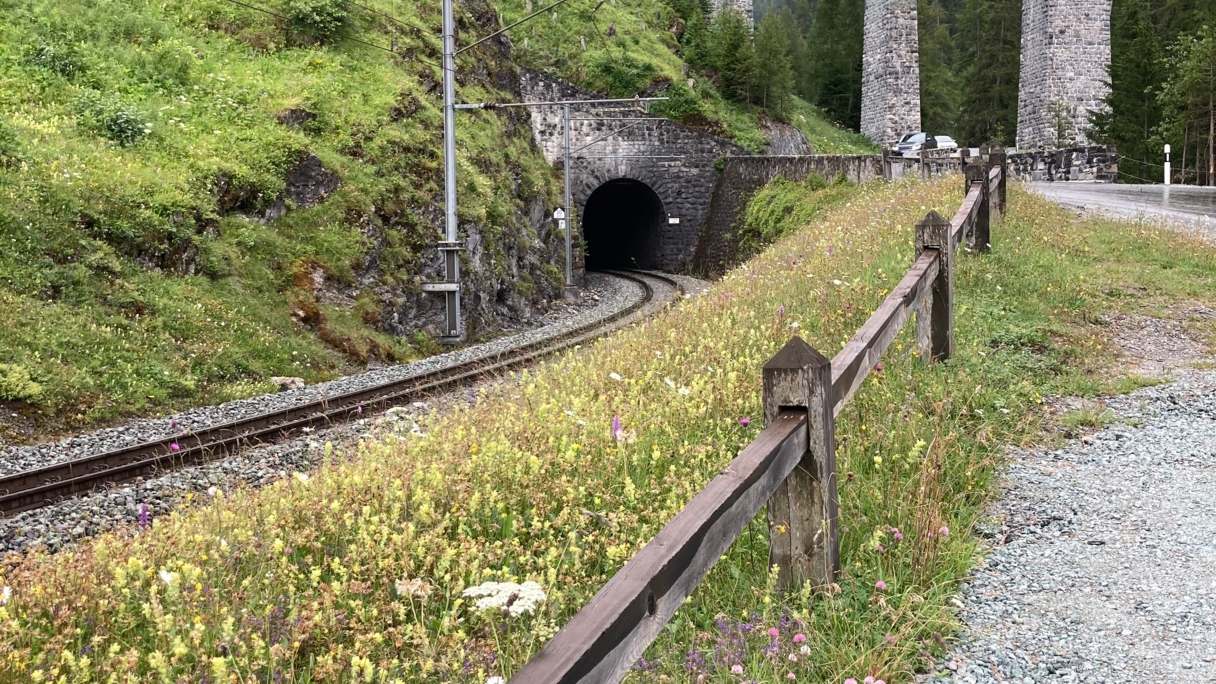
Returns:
(622, 223)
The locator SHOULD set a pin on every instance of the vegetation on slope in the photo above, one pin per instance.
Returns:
(145, 146)
(356, 572)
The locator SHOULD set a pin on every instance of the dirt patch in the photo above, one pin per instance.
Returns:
(1162, 347)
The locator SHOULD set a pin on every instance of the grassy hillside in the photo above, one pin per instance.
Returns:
(356, 573)
(144, 145)
(153, 251)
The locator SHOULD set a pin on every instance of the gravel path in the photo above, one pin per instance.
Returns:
(55, 527)
(1101, 563)
(605, 295)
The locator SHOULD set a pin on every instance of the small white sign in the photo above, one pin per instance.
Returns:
(673, 219)
(561, 225)
(559, 213)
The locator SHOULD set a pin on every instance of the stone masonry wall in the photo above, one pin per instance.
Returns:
(890, 64)
(683, 178)
(1065, 53)
(745, 7)
(742, 177)
(1095, 163)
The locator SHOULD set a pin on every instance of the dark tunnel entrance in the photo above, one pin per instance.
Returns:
(621, 224)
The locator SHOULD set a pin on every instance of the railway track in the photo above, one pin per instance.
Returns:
(52, 483)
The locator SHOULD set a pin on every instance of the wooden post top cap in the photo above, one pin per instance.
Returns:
(796, 354)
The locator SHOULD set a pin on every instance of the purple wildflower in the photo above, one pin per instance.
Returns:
(781, 310)
(173, 423)
(772, 631)
(745, 421)
(736, 669)
(880, 585)
(175, 447)
(616, 426)
(878, 367)
(143, 515)
(944, 531)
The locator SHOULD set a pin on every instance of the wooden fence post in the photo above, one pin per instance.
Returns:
(974, 173)
(802, 514)
(998, 158)
(935, 316)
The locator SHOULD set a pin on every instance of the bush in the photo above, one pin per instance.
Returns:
(618, 76)
(110, 118)
(62, 60)
(16, 384)
(681, 101)
(321, 19)
(9, 147)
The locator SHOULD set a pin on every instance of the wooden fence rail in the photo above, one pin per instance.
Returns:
(791, 465)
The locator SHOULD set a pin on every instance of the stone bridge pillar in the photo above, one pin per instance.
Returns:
(890, 65)
(1065, 53)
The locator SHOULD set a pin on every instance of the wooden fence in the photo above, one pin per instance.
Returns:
(791, 465)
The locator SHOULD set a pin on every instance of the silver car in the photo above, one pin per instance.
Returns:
(911, 144)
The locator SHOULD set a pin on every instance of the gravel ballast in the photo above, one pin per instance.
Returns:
(605, 295)
(57, 526)
(1102, 557)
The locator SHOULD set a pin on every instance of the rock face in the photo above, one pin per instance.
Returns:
(784, 140)
(890, 64)
(1065, 53)
(745, 7)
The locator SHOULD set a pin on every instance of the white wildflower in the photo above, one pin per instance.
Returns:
(684, 391)
(415, 587)
(166, 577)
(510, 598)
(302, 477)
(670, 383)
(5, 594)
(496, 680)
(213, 490)
(615, 376)
(835, 282)
(795, 325)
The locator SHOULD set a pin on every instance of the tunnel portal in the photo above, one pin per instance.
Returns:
(622, 221)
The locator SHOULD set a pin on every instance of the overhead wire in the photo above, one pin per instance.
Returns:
(400, 22)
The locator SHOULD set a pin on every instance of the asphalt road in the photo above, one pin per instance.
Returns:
(1180, 203)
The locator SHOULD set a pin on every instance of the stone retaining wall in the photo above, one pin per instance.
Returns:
(1094, 163)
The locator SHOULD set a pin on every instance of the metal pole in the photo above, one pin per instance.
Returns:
(1167, 163)
(450, 247)
(569, 290)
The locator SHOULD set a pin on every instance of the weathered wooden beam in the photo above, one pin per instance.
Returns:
(977, 176)
(964, 218)
(859, 356)
(803, 540)
(935, 315)
(604, 639)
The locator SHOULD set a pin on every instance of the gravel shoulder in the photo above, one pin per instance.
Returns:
(57, 526)
(1100, 562)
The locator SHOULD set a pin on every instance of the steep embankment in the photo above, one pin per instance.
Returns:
(196, 196)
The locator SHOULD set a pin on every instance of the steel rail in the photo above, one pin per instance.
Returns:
(58, 481)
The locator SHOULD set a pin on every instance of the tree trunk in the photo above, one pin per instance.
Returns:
(1211, 140)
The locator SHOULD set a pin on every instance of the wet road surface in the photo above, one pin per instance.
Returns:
(1180, 203)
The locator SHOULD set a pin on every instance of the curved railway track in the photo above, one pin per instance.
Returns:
(58, 481)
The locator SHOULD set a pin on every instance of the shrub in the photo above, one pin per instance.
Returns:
(111, 118)
(16, 384)
(618, 76)
(681, 102)
(321, 19)
(58, 59)
(9, 146)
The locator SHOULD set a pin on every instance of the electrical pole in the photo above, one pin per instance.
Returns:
(450, 246)
(569, 291)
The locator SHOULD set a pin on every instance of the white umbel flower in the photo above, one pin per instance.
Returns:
(508, 597)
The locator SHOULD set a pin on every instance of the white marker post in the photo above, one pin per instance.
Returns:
(1167, 163)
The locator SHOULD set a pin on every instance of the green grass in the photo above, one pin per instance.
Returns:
(824, 136)
(357, 571)
(141, 142)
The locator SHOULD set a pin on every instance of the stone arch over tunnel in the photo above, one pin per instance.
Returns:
(623, 221)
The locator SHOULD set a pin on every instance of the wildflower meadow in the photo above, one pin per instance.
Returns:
(453, 553)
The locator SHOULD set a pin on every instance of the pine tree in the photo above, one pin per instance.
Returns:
(1189, 98)
(731, 54)
(939, 93)
(774, 69)
(1133, 113)
(990, 33)
(835, 45)
(800, 58)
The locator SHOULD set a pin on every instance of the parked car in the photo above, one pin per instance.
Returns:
(911, 144)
